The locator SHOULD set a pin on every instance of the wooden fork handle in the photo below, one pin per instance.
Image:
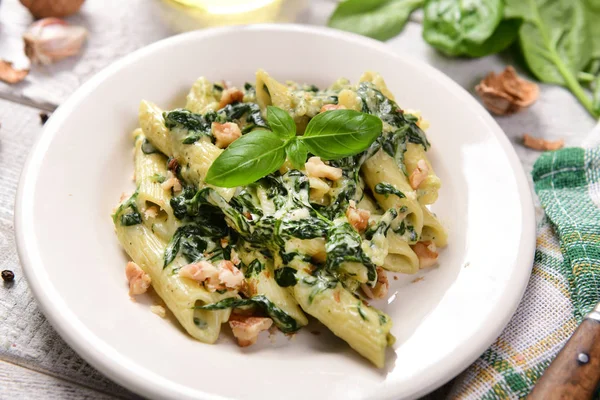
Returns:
(575, 372)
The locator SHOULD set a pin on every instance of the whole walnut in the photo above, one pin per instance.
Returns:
(52, 8)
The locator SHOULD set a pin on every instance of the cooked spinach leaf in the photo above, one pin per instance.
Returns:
(157, 178)
(305, 228)
(282, 320)
(320, 281)
(196, 124)
(386, 189)
(360, 310)
(190, 240)
(374, 102)
(253, 269)
(345, 245)
(133, 216)
(285, 276)
(381, 227)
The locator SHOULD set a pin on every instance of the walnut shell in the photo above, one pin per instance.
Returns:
(506, 93)
(9, 74)
(52, 8)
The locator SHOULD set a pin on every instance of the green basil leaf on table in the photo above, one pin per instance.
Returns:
(281, 122)
(505, 35)
(596, 95)
(297, 152)
(455, 26)
(378, 19)
(592, 13)
(248, 159)
(340, 133)
(555, 41)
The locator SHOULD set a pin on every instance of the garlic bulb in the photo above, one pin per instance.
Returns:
(52, 39)
(52, 8)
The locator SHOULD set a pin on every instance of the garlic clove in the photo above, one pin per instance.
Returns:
(9, 74)
(52, 39)
(52, 8)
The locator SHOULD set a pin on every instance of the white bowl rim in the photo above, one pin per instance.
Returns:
(127, 373)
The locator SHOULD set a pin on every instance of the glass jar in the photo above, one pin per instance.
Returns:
(186, 15)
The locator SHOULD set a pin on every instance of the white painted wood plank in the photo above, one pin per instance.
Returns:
(116, 28)
(26, 338)
(22, 383)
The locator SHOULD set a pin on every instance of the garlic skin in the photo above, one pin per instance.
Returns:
(52, 8)
(52, 39)
(10, 74)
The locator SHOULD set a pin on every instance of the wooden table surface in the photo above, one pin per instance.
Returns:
(34, 361)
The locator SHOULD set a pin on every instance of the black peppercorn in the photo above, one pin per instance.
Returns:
(8, 276)
(43, 117)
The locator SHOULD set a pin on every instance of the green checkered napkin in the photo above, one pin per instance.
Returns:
(564, 285)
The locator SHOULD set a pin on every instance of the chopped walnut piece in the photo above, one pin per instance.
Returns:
(225, 133)
(318, 169)
(151, 212)
(171, 183)
(235, 258)
(246, 329)
(159, 310)
(200, 272)
(419, 174)
(139, 281)
(381, 287)
(222, 276)
(9, 74)
(542, 144)
(230, 95)
(506, 93)
(329, 107)
(357, 217)
(229, 275)
(427, 253)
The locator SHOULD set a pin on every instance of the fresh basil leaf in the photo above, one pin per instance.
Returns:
(281, 122)
(248, 159)
(451, 26)
(555, 41)
(379, 19)
(297, 152)
(340, 133)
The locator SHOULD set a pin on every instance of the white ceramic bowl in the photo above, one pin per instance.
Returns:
(83, 162)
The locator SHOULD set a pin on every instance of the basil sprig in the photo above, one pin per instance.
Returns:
(329, 135)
